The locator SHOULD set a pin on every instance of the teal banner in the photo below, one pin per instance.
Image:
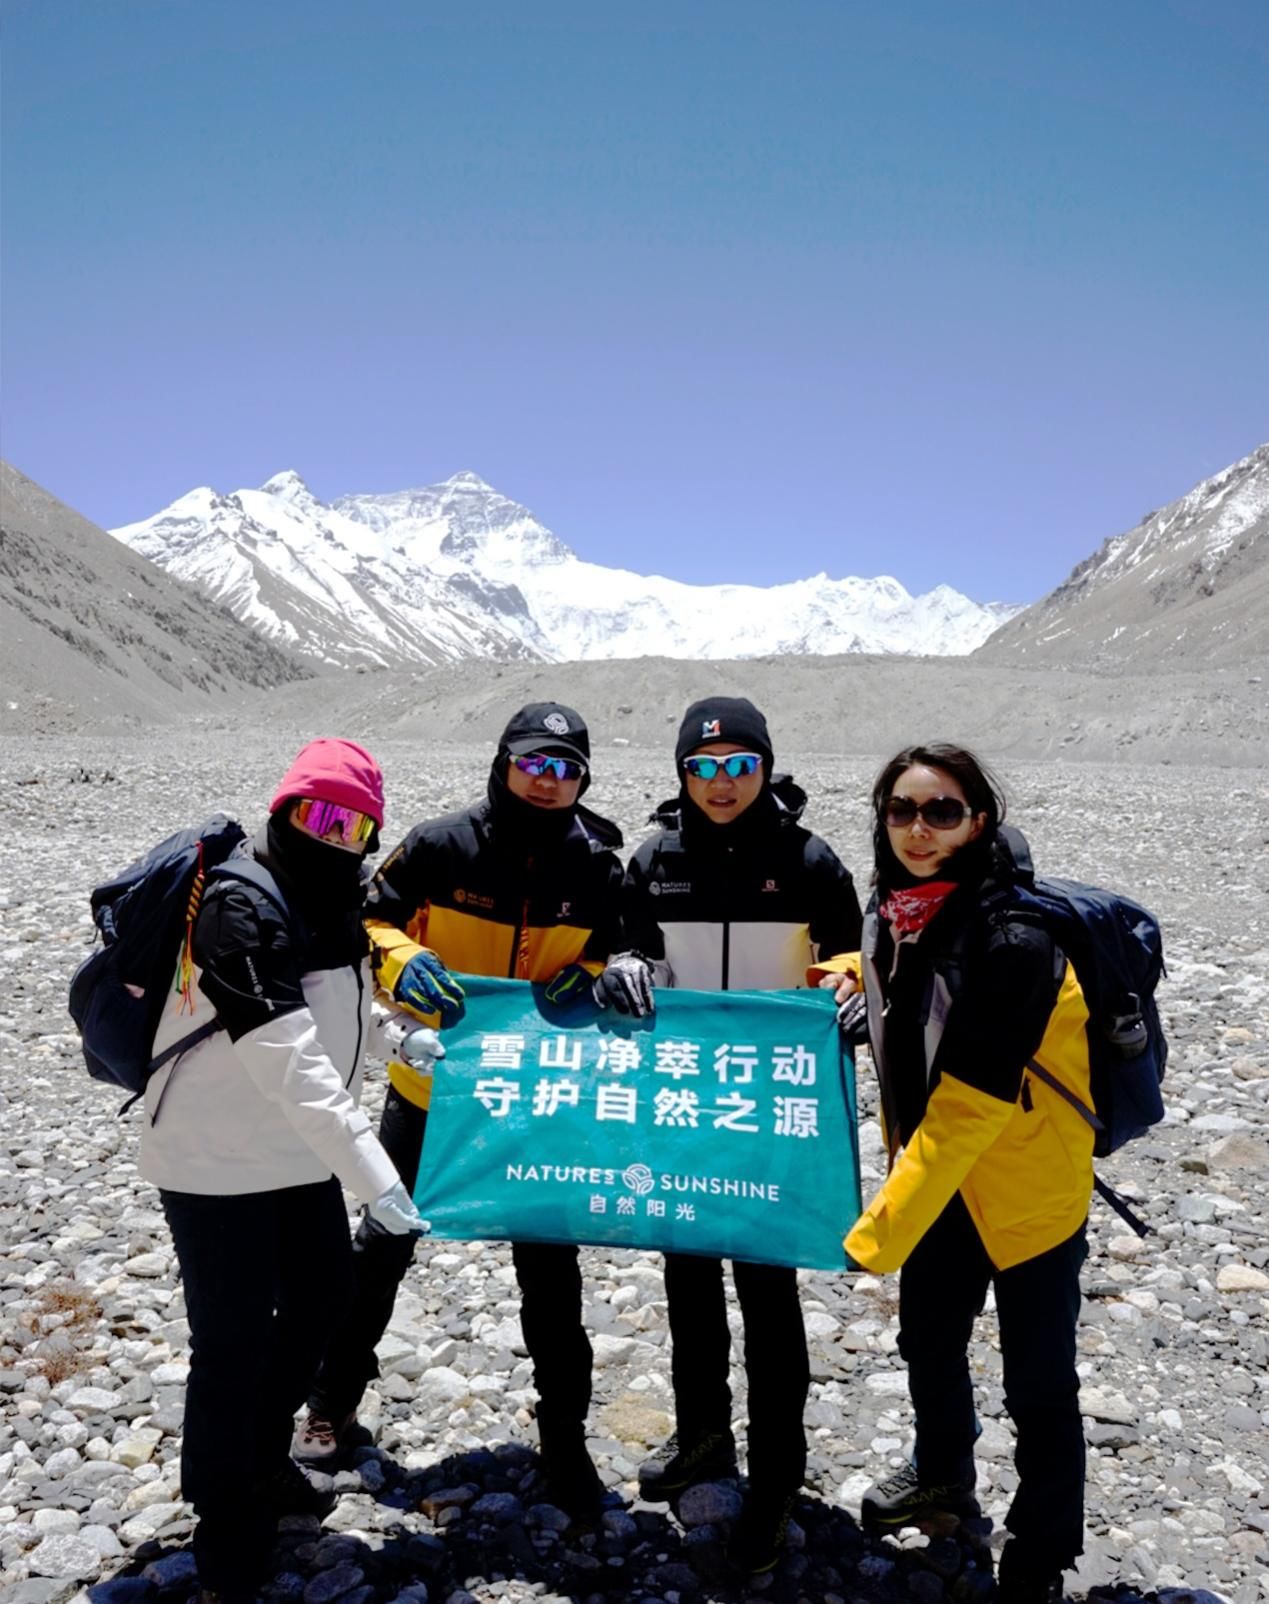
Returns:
(724, 1125)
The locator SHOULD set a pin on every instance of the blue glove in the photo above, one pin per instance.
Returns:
(426, 985)
(572, 982)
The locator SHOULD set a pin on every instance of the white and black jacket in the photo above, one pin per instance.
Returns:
(732, 907)
(270, 1101)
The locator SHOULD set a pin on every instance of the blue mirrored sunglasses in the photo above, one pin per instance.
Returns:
(536, 764)
(736, 765)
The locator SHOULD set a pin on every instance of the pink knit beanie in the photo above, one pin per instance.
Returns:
(334, 771)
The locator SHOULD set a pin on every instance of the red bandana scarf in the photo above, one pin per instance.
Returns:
(910, 909)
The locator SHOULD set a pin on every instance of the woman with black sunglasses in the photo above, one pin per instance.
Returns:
(990, 1169)
(734, 893)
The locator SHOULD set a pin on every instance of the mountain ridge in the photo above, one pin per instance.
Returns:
(453, 570)
(1190, 581)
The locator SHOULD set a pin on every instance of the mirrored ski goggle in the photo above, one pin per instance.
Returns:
(736, 766)
(940, 812)
(320, 818)
(536, 764)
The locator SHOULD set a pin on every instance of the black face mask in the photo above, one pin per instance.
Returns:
(761, 816)
(521, 823)
(320, 878)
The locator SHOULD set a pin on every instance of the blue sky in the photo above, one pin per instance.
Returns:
(720, 290)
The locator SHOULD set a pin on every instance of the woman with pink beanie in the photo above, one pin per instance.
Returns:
(251, 1135)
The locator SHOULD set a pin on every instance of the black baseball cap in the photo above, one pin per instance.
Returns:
(547, 727)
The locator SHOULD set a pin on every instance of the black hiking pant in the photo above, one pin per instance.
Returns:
(263, 1274)
(942, 1289)
(776, 1363)
(550, 1310)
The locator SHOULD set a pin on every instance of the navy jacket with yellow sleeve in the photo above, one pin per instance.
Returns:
(953, 1018)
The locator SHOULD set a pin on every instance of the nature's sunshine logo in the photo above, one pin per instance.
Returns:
(639, 1178)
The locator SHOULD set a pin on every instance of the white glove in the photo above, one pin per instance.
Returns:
(421, 1048)
(396, 1214)
(626, 985)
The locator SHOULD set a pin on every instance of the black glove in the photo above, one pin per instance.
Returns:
(852, 1019)
(626, 985)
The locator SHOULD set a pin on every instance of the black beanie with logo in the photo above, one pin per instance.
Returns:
(724, 718)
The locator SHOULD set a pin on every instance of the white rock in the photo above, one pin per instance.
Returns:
(612, 1350)
(1241, 1278)
(55, 1520)
(150, 1522)
(70, 1557)
(147, 1266)
(1098, 1403)
(440, 1387)
(93, 1400)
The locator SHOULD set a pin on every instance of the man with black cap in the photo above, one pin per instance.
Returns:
(734, 894)
(524, 883)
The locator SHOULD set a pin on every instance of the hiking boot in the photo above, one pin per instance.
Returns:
(758, 1537)
(573, 1484)
(290, 1492)
(902, 1500)
(676, 1466)
(320, 1439)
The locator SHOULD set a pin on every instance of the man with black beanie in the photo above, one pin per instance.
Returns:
(523, 883)
(734, 894)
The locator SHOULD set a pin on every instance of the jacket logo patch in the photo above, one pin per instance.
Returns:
(770, 885)
(566, 908)
(711, 729)
(476, 899)
(669, 888)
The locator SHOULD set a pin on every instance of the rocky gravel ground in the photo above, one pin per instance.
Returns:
(444, 1506)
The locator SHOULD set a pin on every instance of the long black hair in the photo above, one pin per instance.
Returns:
(983, 792)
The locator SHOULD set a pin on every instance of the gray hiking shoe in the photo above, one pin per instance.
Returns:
(676, 1466)
(902, 1500)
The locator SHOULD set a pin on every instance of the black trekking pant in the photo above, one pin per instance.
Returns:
(776, 1363)
(942, 1289)
(263, 1274)
(550, 1311)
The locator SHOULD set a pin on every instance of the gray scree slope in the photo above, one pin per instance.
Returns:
(90, 633)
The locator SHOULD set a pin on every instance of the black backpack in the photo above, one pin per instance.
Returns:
(145, 916)
(1116, 947)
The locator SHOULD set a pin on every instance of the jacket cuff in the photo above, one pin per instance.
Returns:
(845, 963)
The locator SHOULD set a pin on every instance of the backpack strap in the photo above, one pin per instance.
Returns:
(252, 873)
(1054, 1084)
(1121, 1207)
(1104, 1190)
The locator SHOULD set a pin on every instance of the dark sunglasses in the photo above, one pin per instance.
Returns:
(736, 765)
(940, 812)
(536, 764)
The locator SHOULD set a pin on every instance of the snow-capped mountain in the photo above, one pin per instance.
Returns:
(457, 570)
(1190, 582)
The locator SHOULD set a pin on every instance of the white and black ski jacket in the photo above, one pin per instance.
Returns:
(748, 905)
(270, 1100)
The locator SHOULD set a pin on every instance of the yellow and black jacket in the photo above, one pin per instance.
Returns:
(954, 1015)
(491, 897)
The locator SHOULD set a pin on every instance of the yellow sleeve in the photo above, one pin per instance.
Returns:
(393, 949)
(845, 963)
(959, 1124)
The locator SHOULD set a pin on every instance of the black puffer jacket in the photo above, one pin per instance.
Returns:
(747, 905)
